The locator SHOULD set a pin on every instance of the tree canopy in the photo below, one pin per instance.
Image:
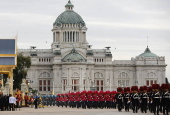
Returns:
(20, 72)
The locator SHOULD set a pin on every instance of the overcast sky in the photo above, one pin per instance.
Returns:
(121, 24)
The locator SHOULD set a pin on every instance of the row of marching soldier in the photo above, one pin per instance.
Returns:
(154, 99)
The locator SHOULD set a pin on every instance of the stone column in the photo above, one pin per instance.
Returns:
(11, 84)
(7, 86)
(24, 86)
(72, 37)
(75, 37)
(55, 37)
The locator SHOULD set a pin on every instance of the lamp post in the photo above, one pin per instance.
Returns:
(30, 86)
(92, 85)
(109, 81)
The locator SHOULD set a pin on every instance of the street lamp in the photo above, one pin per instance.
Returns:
(109, 81)
(92, 87)
(29, 86)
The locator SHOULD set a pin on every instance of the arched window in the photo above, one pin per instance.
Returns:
(45, 82)
(123, 79)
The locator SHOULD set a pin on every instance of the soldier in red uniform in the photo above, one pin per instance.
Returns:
(113, 101)
(101, 99)
(96, 99)
(83, 99)
(71, 99)
(108, 99)
(58, 100)
(89, 99)
(62, 100)
(65, 99)
(77, 99)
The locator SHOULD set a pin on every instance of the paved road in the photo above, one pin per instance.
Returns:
(53, 110)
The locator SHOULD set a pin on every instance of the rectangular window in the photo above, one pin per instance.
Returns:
(44, 88)
(155, 82)
(123, 83)
(74, 82)
(97, 82)
(127, 82)
(119, 83)
(97, 88)
(40, 82)
(151, 82)
(147, 82)
(48, 82)
(65, 82)
(102, 88)
(49, 89)
(40, 88)
(75, 88)
(44, 82)
(102, 82)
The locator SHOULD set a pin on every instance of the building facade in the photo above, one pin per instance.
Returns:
(73, 65)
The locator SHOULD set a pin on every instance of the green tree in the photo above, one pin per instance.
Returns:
(20, 72)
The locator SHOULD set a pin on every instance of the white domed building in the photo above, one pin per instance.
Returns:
(72, 65)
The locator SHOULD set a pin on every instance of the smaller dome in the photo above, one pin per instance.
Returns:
(148, 53)
(74, 56)
(69, 4)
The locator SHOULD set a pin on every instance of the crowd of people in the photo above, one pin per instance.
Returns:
(7, 102)
(154, 99)
(11, 102)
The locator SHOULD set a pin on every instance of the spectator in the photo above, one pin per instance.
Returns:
(36, 102)
(6, 102)
(12, 102)
(1, 102)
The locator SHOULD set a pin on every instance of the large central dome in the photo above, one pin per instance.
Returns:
(69, 17)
